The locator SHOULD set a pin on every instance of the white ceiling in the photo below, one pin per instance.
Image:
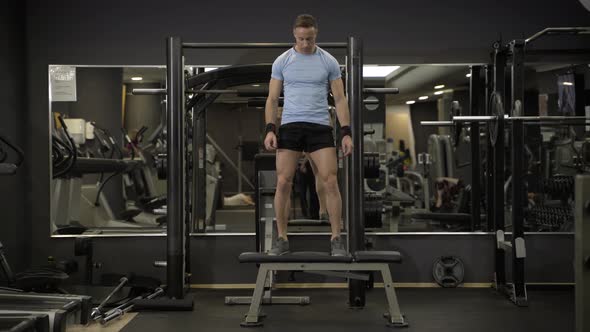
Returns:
(414, 81)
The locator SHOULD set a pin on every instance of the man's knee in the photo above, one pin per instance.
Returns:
(330, 183)
(284, 183)
(319, 187)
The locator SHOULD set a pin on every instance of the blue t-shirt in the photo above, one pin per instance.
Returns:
(306, 82)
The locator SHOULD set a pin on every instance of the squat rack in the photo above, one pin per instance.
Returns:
(177, 212)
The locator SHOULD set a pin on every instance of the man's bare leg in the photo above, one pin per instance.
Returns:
(327, 173)
(319, 188)
(286, 165)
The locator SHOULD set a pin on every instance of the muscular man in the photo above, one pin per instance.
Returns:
(306, 73)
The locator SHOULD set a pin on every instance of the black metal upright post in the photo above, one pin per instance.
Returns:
(200, 171)
(517, 77)
(490, 213)
(518, 295)
(356, 231)
(475, 106)
(188, 193)
(498, 171)
(518, 246)
(199, 156)
(175, 180)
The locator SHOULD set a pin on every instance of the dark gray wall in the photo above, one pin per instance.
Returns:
(422, 31)
(14, 227)
(133, 32)
(214, 258)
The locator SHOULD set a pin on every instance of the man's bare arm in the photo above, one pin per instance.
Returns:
(340, 102)
(272, 102)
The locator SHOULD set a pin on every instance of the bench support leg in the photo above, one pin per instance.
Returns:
(253, 317)
(393, 314)
(395, 318)
(268, 297)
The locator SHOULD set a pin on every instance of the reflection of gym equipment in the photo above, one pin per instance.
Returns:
(442, 154)
(212, 186)
(566, 155)
(213, 168)
(391, 190)
(560, 158)
(376, 172)
(454, 216)
(144, 203)
(75, 205)
(213, 191)
(450, 211)
(438, 165)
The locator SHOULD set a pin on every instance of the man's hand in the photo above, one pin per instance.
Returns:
(347, 145)
(270, 142)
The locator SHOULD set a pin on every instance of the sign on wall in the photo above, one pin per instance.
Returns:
(62, 83)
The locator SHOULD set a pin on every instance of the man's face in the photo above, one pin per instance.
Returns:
(305, 39)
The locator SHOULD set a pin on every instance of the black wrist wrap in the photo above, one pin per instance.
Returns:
(345, 131)
(271, 127)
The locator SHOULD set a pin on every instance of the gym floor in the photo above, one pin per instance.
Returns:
(426, 309)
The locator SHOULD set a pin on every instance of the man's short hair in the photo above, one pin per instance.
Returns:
(305, 21)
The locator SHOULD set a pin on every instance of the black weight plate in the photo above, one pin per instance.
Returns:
(448, 271)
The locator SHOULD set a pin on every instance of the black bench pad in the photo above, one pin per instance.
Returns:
(294, 257)
(308, 222)
(322, 257)
(458, 218)
(377, 257)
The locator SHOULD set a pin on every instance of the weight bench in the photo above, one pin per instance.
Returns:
(324, 263)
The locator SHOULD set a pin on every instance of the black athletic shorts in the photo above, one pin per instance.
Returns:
(305, 136)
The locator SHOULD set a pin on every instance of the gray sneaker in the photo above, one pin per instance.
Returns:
(279, 247)
(338, 247)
